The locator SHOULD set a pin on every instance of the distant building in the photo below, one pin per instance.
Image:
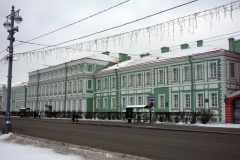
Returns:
(2, 91)
(187, 80)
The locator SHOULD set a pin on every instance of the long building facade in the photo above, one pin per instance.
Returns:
(187, 80)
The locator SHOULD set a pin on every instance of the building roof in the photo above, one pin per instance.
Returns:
(157, 57)
(21, 84)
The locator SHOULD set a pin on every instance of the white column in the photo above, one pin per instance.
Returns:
(84, 104)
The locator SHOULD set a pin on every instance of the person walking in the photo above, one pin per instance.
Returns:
(73, 117)
(76, 116)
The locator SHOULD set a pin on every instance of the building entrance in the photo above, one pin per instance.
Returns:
(236, 111)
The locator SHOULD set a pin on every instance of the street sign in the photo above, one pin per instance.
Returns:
(151, 104)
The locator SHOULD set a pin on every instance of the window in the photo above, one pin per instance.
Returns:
(113, 82)
(187, 100)
(199, 71)
(55, 88)
(139, 100)
(161, 101)
(148, 78)
(186, 73)
(61, 88)
(105, 83)
(200, 100)
(160, 76)
(0, 98)
(113, 102)
(74, 104)
(69, 86)
(69, 104)
(213, 99)
(98, 84)
(123, 102)
(105, 103)
(232, 70)
(139, 76)
(75, 85)
(213, 70)
(80, 85)
(175, 74)
(80, 104)
(51, 89)
(98, 103)
(89, 84)
(175, 101)
(131, 80)
(124, 81)
(131, 100)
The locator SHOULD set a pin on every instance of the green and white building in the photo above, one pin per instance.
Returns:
(185, 80)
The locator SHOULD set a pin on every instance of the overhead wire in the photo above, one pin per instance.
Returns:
(117, 26)
(71, 23)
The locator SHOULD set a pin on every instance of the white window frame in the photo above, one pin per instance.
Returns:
(173, 101)
(124, 103)
(98, 103)
(105, 83)
(161, 77)
(210, 99)
(185, 100)
(80, 84)
(139, 79)
(160, 101)
(140, 99)
(75, 85)
(197, 100)
(175, 78)
(131, 80)
(148, 77)
(186, 75)
(130, 100)
(113, 103)
(124, 81)
(105, 102)
(209, 70)
(113, 82)
(197, 73)
(230, 71)
(98, 84)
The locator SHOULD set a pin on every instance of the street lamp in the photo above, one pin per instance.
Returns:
(14, 16)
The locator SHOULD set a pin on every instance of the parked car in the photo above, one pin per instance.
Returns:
(24, 112)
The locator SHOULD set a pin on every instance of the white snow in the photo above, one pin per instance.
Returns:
(157, 57)
(11, 151)
(103, 57)
(220, 125)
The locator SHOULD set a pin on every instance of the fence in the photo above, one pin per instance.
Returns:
(174, 117)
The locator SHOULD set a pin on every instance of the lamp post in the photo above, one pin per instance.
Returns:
(14, 16)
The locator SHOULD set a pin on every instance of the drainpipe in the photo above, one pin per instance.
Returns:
(190, 61)
(25, 96)
(37, 88)
(117, 98)
(65, 87)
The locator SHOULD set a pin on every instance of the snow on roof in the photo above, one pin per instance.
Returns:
(156, 57)
(102, 57)
(136, 106)
(21, 84)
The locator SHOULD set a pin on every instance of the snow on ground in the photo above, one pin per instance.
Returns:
(16, 146)
(220, 125)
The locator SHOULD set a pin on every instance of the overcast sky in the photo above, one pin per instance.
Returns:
(42, 16)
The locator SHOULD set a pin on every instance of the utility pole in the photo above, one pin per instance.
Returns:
(14, 16)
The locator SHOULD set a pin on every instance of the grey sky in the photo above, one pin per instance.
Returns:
(42, 16)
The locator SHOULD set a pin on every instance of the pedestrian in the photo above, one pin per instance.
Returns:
(39, 114)
(34, 114)
(76, 116)
(73, 117)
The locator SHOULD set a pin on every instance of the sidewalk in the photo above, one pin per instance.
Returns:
(163, 126)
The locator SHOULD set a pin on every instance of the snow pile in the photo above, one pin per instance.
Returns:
(219, 125)
(28, 151)
(27, 147)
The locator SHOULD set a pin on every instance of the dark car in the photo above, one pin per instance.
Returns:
(24, 112)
